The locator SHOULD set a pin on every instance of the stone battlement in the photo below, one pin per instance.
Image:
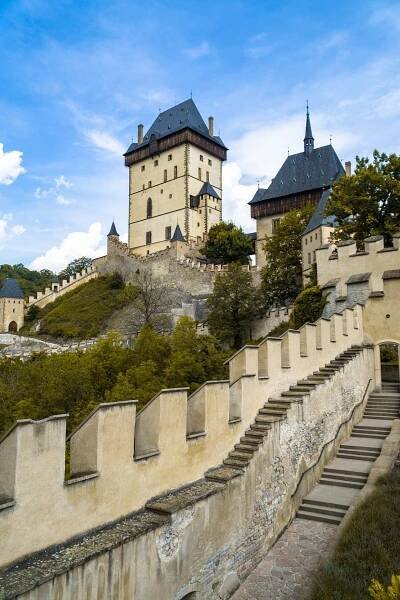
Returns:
(342, 261)
(120, 459)
(51, 294)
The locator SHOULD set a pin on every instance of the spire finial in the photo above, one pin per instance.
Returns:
(308, 138)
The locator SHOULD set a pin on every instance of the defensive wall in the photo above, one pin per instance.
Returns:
(348, 276)
(196, 536)
(51, 294)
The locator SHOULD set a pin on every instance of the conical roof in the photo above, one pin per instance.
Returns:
(113, 230)
(11, 289)
(177, 237)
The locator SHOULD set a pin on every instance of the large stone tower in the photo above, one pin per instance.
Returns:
(175, 178)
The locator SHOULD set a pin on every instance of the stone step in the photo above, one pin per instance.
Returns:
(308, 382)
(378, 417)
(272, 411)
(323, 511)
(262, 428)
(318, 517)
(367, 448)
(267, 419)
(343, 507)
(254, 440)
(231, 462)
(343, 478)
(355, 457)
(344, 472)
(341, 483)
(246, 448)
(240, 456)
(303, 390)
(371, 428)
(369, 436)
(295, 394)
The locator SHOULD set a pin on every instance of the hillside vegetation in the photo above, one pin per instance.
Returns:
(83, 312)
(30, 281)
(75, 383)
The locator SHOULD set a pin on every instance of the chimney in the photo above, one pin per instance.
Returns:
(140, 134)
(347, 168)
(211, 126)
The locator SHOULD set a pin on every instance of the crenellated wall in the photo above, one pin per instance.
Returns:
(119, 459)
(342, 261)
(51, 294)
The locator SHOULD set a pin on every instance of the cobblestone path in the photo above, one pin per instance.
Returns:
(284, 574)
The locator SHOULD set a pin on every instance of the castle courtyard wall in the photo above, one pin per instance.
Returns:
(209, 535)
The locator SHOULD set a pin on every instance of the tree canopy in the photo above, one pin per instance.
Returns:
(281, 278)
(75, 383)
(76, 266)
(232, 305)
(368, 202)
(227, 243)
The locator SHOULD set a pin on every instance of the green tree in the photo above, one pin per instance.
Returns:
(232, 305)
(76, 266)
(368, 202)
(281, 278)
(227, 243)
(307, 307)
(30, 281)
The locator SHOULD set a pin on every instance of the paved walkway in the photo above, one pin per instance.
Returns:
(284, 574)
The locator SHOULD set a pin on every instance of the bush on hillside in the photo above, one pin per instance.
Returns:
(83, 312)
(307, 307)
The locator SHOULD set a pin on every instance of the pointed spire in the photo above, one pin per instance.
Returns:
(308, 138)
(177, 237)
(113, 230)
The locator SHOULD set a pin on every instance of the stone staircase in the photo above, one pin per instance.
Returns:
(348, 472)
(275, 409)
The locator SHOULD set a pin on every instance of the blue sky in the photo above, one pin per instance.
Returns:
(77, 76)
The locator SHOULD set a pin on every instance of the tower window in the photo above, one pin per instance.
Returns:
(143, 187)
(148, 237)
(168, 233)
(169, 156)
(306, 241)
(149, 185)
(199, 173)
(275, 223)
(149, 210)
(210, 162)
(161, 191)
(201, 157)
(170, 196)
(175, 172)
(156, 163)
(309, 258)
(165, 175)
(208, 175)
(142, 168)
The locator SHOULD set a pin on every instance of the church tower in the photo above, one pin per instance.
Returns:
(175, 179)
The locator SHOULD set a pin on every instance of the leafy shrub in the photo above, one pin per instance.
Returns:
(307, 307)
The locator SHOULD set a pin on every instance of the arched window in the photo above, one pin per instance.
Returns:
(149, 208)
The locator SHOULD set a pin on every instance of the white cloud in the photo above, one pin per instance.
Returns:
(62, 182)
(53, 192)
(10, 165)
(104, 141)
(8, 231)
(61, 199)
(74, 245)
(236, 195)
(389, 104)
(203, 49)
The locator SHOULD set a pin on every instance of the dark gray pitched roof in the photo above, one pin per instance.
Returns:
(182, 116)
(207, 188)
(11, 289)
(308, 135)
(318, 218)
(303, 172)
(113, 230)
(177, 237)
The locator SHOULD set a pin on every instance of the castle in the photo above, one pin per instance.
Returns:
(199, 486)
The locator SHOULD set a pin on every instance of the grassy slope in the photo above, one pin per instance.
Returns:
(83, 312)
(369, 547)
